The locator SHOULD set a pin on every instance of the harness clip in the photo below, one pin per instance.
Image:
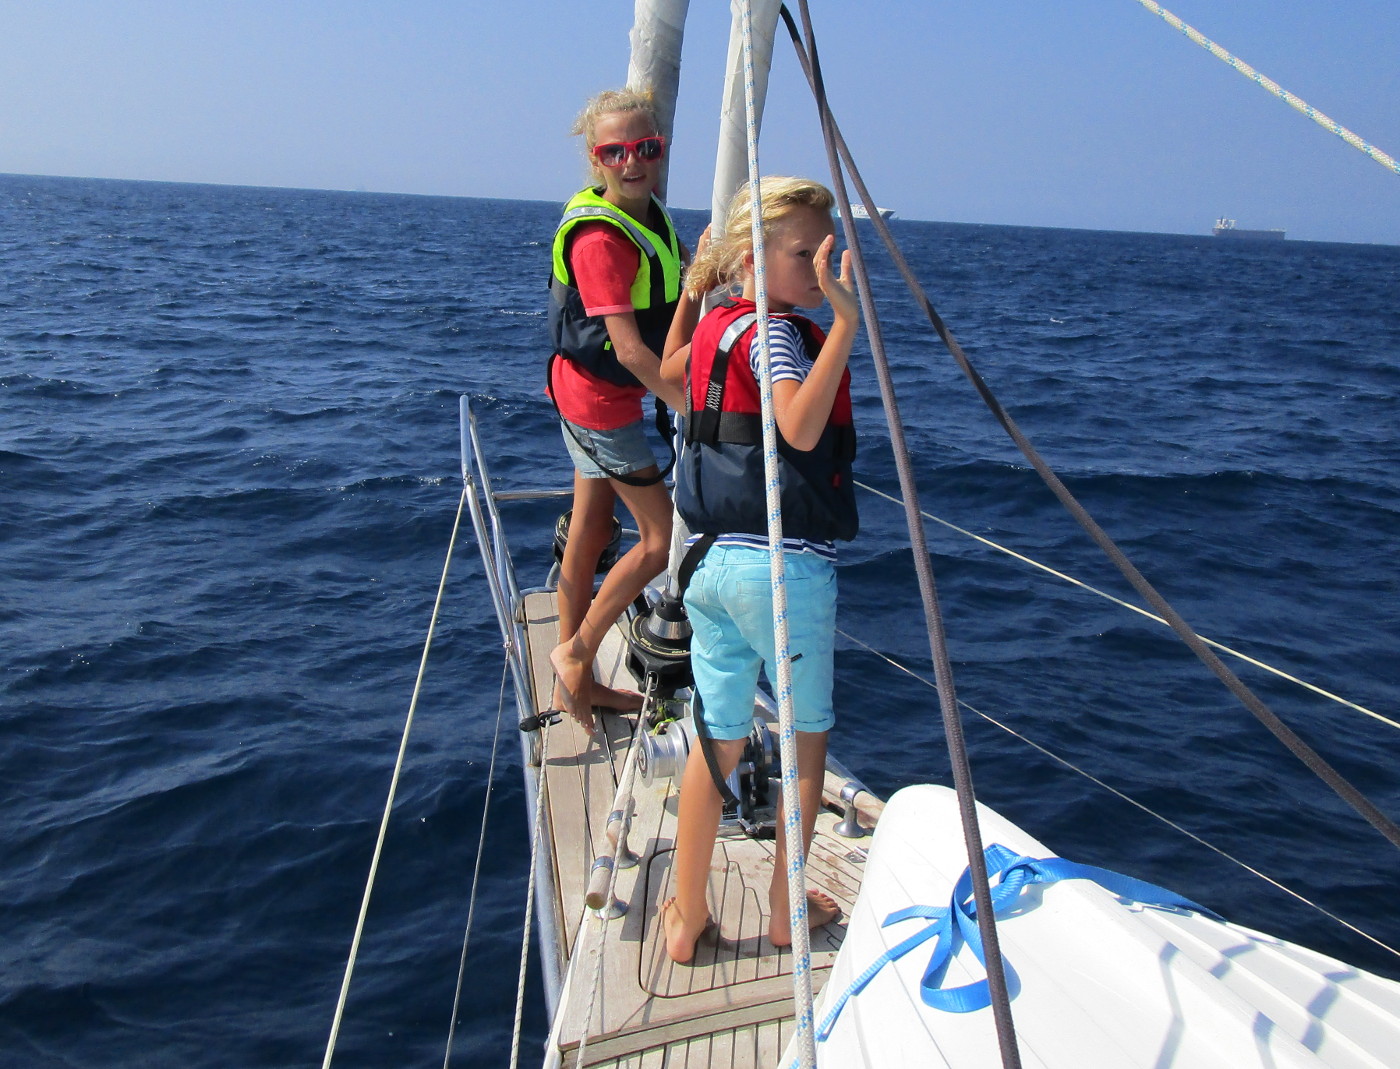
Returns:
(535, 721)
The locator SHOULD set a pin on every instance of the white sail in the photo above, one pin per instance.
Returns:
(658, 31)
(731, 158)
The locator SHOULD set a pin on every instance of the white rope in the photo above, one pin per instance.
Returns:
(529, 903)
(787, 732)
(1141, 611)
(393, 788)
(1126, 798)
(476, 869)
(1296, 103)
(629, 767)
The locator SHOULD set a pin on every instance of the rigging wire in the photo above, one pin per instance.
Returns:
(393, 789)
(476, 870)
(1384, 159)
(535, 836)
(1127, 798)
(805, 1039)
(1256, 706)
(960, 765)
(1246, 658)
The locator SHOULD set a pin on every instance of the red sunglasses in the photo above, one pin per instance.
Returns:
(614, 153)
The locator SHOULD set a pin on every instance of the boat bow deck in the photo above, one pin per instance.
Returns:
(733, 1004)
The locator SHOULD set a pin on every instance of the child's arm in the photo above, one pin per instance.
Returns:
(677, 348)
(633, 354)
(802, 408)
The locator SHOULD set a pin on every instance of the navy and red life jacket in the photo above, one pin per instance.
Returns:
(720, 480)
(583, 338)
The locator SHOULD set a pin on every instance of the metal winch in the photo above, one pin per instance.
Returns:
(659, 644)
(665, 751)
(610, 552)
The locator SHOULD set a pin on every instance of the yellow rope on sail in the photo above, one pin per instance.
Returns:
(1249, 72)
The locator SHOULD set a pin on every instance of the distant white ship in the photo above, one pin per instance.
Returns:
(1226, 228)
(859, 212)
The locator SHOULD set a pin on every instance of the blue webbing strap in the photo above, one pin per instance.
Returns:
(958, 921)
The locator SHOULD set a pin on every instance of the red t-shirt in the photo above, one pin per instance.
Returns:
(604, 263)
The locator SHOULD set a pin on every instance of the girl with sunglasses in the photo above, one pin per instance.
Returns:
(720, 494)
(614, 290)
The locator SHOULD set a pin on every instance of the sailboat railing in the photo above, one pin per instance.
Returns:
(495, 556)
(506, 599)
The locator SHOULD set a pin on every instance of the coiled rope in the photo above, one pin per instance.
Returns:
(393, 789)
(1384, 159)
(805, 1039)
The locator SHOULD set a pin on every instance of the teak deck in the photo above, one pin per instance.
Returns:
(733, 1005)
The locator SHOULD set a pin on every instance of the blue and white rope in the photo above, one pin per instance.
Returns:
(1384, 159)
(787, 732)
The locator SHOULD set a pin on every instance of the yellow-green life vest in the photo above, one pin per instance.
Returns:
(655, 290)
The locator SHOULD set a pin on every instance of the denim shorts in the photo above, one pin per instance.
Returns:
(623, 450)
(730, 604)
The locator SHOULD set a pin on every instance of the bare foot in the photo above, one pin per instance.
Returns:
(575, 688)
(821, 909)
(680, 936)
(623, 701)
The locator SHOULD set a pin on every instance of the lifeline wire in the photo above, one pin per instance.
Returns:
(1272, 86)
(787, 732)
(529, 904)
(1266, 716)
(393, 788)
(938, 646)
(1127, 798)
(476, 870)
(1142, 612)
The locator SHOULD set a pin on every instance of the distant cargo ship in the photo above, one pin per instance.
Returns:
(1226, 228)
(859, 212)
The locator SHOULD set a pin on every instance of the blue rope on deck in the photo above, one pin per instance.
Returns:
(956, 923)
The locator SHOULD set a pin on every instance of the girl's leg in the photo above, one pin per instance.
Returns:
(821, 908)
(685, 916)
(573, 657)
(590, 527)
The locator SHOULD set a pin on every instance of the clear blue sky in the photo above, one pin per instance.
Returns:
(1071, 113)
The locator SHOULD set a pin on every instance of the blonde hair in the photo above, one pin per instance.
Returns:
(779, 197)
(611, 102)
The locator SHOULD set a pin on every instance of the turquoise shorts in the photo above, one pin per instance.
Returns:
(621, 451)
(730, 604)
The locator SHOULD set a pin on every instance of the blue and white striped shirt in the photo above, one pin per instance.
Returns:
(789, 359)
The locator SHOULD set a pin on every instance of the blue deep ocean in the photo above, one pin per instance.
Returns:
(229, 473)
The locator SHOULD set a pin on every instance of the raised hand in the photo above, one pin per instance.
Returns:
(837, 288)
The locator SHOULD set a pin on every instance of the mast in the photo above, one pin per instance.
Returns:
(732, 156)
(658, 31)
